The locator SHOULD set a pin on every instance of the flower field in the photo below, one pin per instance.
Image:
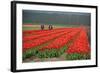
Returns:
(71, 43)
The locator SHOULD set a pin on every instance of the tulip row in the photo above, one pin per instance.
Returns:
(61, 41)
(37, 32)
(80, 45)
(54, 49)
(78, 49)
(42, 40)
(44, 34)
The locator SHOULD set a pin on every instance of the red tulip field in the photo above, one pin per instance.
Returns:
(61, 43)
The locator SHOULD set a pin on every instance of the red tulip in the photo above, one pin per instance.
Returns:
(80, 45)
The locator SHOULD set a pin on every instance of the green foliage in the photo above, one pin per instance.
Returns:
(29, 53)
(51, 53)
(54, 53)
(76, 56)
(44, 54)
